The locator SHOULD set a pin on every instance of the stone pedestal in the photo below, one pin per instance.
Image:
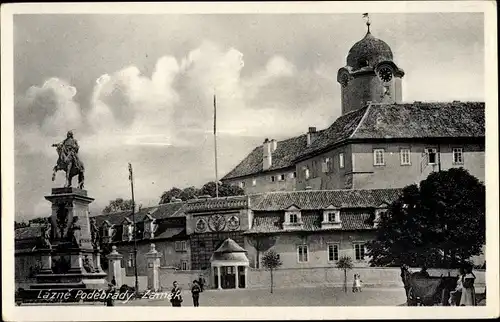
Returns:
(71, 262)
(115, 267)
(153, 261)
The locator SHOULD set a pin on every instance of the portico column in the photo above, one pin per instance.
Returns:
(218, 278)
(246, 276)
(236, 277)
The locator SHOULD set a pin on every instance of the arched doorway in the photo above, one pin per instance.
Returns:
(229, 265)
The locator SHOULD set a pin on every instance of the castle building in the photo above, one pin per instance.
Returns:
(377, 142)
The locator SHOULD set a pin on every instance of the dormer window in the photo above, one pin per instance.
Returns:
(306, 173)
(331, 218)
(128, 230)
(293, 218)
(378, 214)
(149, 227)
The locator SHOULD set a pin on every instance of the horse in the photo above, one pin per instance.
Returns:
(426, 291)
(68, 165)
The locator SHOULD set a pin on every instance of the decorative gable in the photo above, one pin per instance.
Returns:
(128, 230)
(293, 218)
(108, 231)
(150, 227)
(331, 218)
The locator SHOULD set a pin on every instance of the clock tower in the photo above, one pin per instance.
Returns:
(370, 75)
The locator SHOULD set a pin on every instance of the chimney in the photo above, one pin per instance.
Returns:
(311, 135)
(274, 145)
(267, 155)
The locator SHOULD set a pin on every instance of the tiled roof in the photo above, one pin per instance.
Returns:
(273, 222)
(377, 121)
(320, 199)
(234, 202)
(169, 232)
(340, 130)
(283, 157)
(423, 120)
(162, 211)
(29, 232)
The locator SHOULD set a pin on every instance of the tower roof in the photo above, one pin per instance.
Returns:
(368, 52)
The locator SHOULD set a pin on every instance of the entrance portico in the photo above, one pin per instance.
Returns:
(229, 266)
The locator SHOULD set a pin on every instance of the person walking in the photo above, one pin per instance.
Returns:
(468, 292)
(201, 282)
(456, 294)
(109, 294)
(356, 284)
(113, 281)
(175, 295)
(195, 292)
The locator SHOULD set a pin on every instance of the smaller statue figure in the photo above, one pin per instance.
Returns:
(46, 232)
(94, 233)
(74, 232)
(87, 265)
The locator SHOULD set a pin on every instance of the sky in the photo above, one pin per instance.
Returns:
(139, 89)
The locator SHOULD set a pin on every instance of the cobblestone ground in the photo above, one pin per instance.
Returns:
(307, 296)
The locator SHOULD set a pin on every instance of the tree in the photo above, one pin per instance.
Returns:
(118, 205)
(271, 261)
(345, 263)
(225, 190)
(261, 243)
(208, 189)
(440, 222)
(20, 224)
(167, 196)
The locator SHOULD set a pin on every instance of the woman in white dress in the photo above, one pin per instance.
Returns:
(468, 291)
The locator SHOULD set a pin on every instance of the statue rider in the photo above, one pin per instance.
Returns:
(68, 156)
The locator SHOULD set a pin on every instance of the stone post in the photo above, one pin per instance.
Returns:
(115, 266)
(153, 269)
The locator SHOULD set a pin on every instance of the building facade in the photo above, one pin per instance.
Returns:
(377, 142)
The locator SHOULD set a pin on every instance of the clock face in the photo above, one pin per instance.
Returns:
(385, 74)
(344, 79)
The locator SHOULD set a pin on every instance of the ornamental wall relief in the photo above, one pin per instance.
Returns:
(201, 225)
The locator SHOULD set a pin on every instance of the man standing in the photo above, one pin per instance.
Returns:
(175, 295)
(195, 292)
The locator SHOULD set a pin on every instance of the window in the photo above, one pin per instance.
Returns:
(184, 265)
(130, 261)
(293, 175)
(281, 177)
(341, 160)
(431, 156)
(332, 217)
(306, 173)
(333, 252)
(359, 251)
(254, 182)
(458, 157)
(302, 253)
(405, 156)
(294, 218)
(242, 184)
(326, 166)
(273, 178)
(180, 246)
(378, 157)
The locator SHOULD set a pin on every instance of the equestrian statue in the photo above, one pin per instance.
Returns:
(68, 161)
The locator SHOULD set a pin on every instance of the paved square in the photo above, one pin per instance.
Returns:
(306, 296)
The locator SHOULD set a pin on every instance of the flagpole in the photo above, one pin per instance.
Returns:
(131, 178)
(215, 148)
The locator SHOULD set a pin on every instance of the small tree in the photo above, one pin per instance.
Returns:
(271, 260)
(345, 263)
(119, 204)
(261, 243)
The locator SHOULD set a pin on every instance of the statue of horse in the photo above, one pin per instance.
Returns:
(69, 165)
(426, 291)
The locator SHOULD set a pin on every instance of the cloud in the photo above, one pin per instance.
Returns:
(159, 119)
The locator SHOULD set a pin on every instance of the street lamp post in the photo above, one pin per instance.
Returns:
(131, 178)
